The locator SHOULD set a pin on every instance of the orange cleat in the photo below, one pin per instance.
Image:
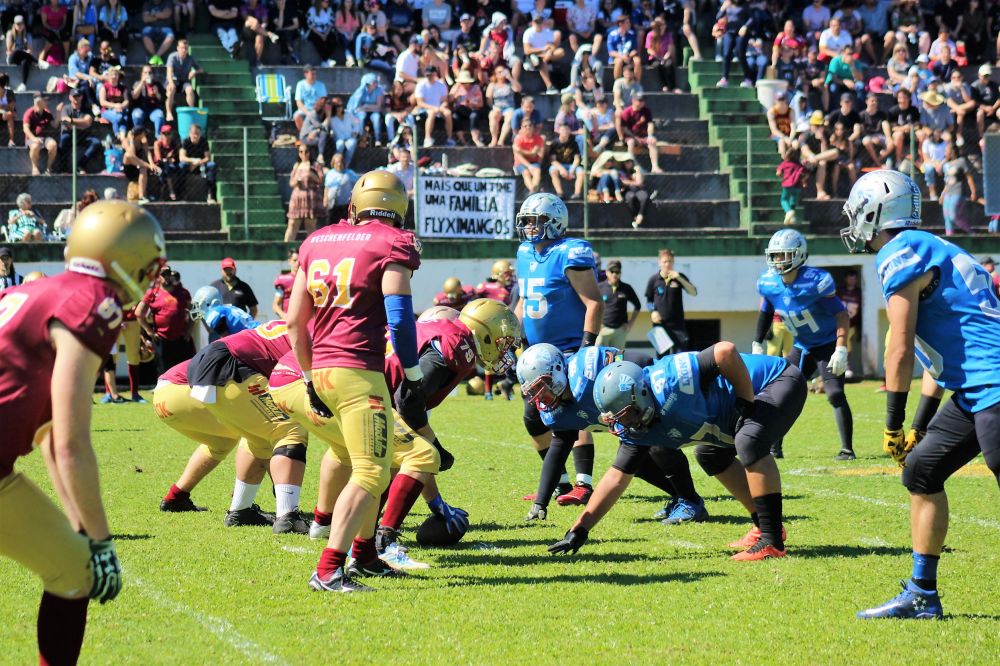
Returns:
(750, 538)
(759, 551)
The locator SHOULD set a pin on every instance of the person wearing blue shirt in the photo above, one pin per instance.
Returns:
(562, 388)
(337, 186)
(307, 92)
(623, 48)
(78, 71)
(942, 310)
(728, 404)
(367, 103)
(219, 319)
(805, 298)
(560, 304)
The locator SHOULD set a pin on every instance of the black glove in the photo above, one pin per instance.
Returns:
(589, 339)
(570, 543)
(447, 460)
(412, 391)
(316, 403)
(744, 411)
(105, 570)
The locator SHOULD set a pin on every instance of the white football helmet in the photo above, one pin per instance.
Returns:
(786, 251)
(547, 213)
(204, 299)
(882, 199)
(541, 370)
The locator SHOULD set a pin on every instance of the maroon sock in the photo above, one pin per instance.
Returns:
(363, 550)
(61, 625)
(176, 493)
(331, 560)
(133, 378)
(403, 492)
(488, 384)
(321, 518)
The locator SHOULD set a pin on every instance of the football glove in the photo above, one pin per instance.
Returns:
(316, 403)
(913, 438)
(447, 460)
(538, 512)
(756, 348)
(897, 445)
(838, 362)
(456, 519)
(106, 571)
(570, 543)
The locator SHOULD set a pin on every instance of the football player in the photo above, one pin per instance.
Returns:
(283, 285)
(497, 285)
(55, 333)
(805, 297)
(219, 319)
(559, 303)
(727, 403)
(454, 295)
(354, 282)
(563, 391)
(943, 310)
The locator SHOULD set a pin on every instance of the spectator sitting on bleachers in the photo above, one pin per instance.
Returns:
(756, 59)
(585, 61)
(843, 75)
(78, 71)
(39, 133)
(934, 113)
(466, 98)
(943, 67)
(587, 90)
(875, 20)
(898, 66)
(367, 103)
(306, 181)
(408, 65)
(182, 69)
(372, 51)
(184, 16)
(812, 76)
(608, 175)
(520, 15)
(787, 41)
(661, 54)
(852, 23)
(942, 42)
(466, 39)
(23, 223)
(603, 128)
(581, 20)
(959, 100)
(20, 51)
(850, 117)
(430, 56)
(932, 151)
(148, 100)
(632, 184)
(986, 94)
(256, 28)
(404, 140)
(8, 107)
(817, 153)
(315, 131)
(816, 18)
(607, 14)
(529, 149)
(75, 114)
(103, 61)
(373, 9)
(500, 97)
(347, 21)
(344, 131)
(431, 96)
(196, 156)
(542, 50)
(400, 110)
(833, 40)
(919, 75)
(137, 165)
(307, 92)
(113, 99)
(284, 21)
(635, 125)
(875, 132)
(438, 14)
(401, 24)
(112, 25)
(623, 90)
(498, 47)
(64, 221)
(779, 120)
(85, 20)
(903, 118)
(564, 153)
(224, 18)
(337, 186)
(157, 17)
(404, 169)
(840, 139)
(165, 156)
(730, 31)
(322, 33)
(623, 48)
(56, 29)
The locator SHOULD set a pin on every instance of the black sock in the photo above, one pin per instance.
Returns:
(845, 426)
(541, 454)
(925, 412)
(674, 464)
(583, 459)
(756, 519)
(769, 515)
(555, 461)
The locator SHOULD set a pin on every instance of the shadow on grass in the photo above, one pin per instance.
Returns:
(133, 537)
(661, 499)
(470, 557)
(840, 550)
(610, 579)
(518, 543)
(972, 616)
(727, 520)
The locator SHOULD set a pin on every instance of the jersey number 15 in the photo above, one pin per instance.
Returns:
(535, 305)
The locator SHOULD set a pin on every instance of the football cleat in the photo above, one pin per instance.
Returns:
(686, 511)
(845, 454)
(759, 551)
(561, 489)
(667, 508)
(507, 389)
(398, 557)
(317, 531)
(249, 517)
(290, 523)
(913, 603)
(178, 505)
(338, 582)
(579, 495)
(377, 568)
(750, 538)
(138, 398)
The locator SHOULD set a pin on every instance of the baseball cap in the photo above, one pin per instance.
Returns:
(307, 68)
(986, 70)
(416, 39)
(847, 97)
(638, 95)
(18, 19)
(876, 84)
(614, 266)
(75, 92)
(430, 70)
(166, 129)
(497, 19)
(465, 17)
(5, 252)
(923, 58)
(228, 263)
(983, 260)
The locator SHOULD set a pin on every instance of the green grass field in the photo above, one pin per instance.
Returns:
(196, 592)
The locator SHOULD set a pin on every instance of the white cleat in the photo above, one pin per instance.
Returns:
(317, 531)
(398, 557)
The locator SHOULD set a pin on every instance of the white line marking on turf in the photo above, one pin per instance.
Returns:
(873, 542)
(687, 545)
(220, 628)
(295, 549)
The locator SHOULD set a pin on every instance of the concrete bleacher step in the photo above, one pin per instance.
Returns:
(739, 119)
(709, 106)
(259, 188)
(729, 93)
(660, 216)
(213, 92)
(758, 145)
(722, 133)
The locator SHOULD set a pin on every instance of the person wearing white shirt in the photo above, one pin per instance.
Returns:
(408, 65)
(432, 99)
(403, 169)
(833, 40)
(541, 48)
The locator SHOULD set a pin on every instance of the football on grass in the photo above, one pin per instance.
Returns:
(434, 533)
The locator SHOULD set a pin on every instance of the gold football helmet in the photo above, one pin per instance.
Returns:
(452, 288)
(32, 276)
(381, 195)
(496, 332)
(120, 242)
(502, 272)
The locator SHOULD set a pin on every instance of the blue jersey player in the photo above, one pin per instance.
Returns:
(562, 389)
(805, 298)
(220, 320)
(559, 303)
(726, 403)
(943, 311)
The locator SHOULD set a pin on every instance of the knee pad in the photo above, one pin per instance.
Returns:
(294, 452)
(750, 450)
(918, 477)
(835, 394)
(714, 459)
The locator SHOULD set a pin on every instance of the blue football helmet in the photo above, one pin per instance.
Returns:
(204, 299)
(625, 400)
(546, 213)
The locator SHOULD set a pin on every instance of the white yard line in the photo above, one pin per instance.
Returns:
(220, 628)
(873, 542)
(686, 545)
(299, 550)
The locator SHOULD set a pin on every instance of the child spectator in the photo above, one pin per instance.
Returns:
(792, 176)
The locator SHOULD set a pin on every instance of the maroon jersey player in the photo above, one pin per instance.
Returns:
(497, 285)
(454, 294)
(54, 334)
(283, 286)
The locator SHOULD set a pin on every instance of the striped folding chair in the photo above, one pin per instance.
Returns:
(272, 89)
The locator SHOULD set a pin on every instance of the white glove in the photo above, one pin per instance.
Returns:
(838, 362)
(757, 348)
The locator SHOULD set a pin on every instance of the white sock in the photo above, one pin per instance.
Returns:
(564, 478)
(287, 497)
(585, 478)
(243, 495)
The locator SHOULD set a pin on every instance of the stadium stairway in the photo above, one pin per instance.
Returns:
(730, 113)
(227, 91)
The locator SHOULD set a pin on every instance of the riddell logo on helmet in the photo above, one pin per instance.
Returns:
(378, 212)
(87, 267)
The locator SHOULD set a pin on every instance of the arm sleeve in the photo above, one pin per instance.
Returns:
(437, 374)
(402, 328)
(708, 369)
(764, 319)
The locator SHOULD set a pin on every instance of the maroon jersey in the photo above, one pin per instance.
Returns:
(283, 287)
(453, 340)
(463, 299)
(261, 347)
(177, 375)
(344, 266)
(285, 372)
(494, 290)
(85, 305)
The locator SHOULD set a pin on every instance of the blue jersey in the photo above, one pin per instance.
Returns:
(688, 415)
(229, 319)
(553, 312)
(582, 369)
(958, 322)
(808, 306)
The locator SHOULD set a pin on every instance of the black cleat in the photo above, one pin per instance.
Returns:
(338, 582)
(250, 517)
(291, 523)
(178, 505)
(375, 569)
(845, 454)
(777, 451)
(562, 489)
(385, 537)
